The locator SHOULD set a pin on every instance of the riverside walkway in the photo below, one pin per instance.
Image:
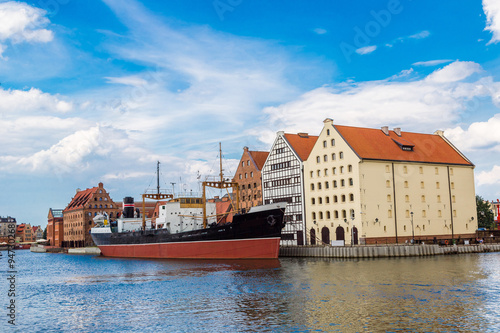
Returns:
(383, 251)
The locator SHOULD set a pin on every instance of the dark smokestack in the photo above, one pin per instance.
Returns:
(128, 207)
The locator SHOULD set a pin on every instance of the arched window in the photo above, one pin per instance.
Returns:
(320, 215)
(333, 157)
(313, 201)
(336, 214)
(325, 158)
(343, 198)
(349, 168)
(324, 144)
(351, 197)
(318, 159)
(332, 142)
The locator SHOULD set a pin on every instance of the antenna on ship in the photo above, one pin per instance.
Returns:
(155, 196)
(158, 178)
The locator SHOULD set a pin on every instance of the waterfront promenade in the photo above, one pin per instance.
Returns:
(383, 251)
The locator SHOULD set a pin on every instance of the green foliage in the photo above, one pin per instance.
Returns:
(484, 213)
(45, 233)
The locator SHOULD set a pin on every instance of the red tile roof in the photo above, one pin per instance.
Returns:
(259, 157)
(81, 199)
(369, 143)
(301, 143)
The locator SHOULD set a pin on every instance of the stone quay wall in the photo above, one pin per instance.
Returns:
(386, 251)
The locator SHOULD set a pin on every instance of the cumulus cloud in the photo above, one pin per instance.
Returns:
(478, 135)
(16, 101)
(492, 10)
(76, 151)
(435, 101)
(21, 22)
(491, 177)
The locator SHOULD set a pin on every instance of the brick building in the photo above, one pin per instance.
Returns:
(78, 215)
(24, 233)
(248, 177)
(55, 227)
(4, 228)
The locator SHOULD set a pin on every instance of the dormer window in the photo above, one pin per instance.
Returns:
(403, 144)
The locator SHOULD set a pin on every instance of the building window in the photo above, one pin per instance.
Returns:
(320, 200)
(453, 198)
(343, 198)
(454, 213)
(326, 172)
(351, 182)
(407, 198)
(313, 201)
(341, 155)
(423, 198)
(324, 144)
(314, 215)
(336, 214)
(327, 214)
(389, 213)
(437, 185)
(341, 170)
(251, 174)
(327, 132)
(344, 215)
(342, 182)
(438, 198)
(332, 142)
(327, 200)
(243, 163)
(349, 168)
(318, 159)
(240, 176)
(451, 171)
(246, 176)
(319, 186)
(248, 163)
(387, 169)
(334, 184)
(334, 157)
(439, 213)
(452, 185)
(312, 187)
(334, 170)
(436, 170)
(387, 183)
(325, 158)
(406, 184)
(335, 199)
(319, 173)
(327, 185)
(351, 197)
(424, 213)
(407, 214)
(422, 185)
(405, 169)
(421, 170)
(312, 174)
(389, 198)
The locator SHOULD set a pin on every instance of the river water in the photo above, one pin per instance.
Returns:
(81, 293)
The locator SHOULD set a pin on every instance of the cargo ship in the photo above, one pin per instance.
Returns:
(254, 234)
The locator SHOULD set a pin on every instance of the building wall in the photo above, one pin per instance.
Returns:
(282, 181)
(377, 197)
(248, 177)
(332, 195)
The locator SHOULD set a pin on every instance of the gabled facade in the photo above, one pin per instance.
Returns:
(24, 233)
(5, 222)
(248, 176)
(55, 227)
(78, 215)
(367, 186)
(283, 181)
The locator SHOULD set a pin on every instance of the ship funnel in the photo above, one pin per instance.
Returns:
(128, 207)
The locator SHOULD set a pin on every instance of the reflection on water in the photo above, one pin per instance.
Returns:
(85, 293)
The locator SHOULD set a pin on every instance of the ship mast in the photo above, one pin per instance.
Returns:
(219, 184)
(154, 196)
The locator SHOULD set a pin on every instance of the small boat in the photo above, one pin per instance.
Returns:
(254, 234)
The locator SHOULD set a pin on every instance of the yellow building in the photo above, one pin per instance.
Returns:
(367, 186)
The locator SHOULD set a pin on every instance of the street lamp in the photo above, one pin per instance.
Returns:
(412, 232)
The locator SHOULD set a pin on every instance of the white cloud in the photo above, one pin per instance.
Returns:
(492, 10)
(478, 136)
(21, 22)
(366, 49)
(431, 62)
(491, 177)
(434, 102)
(320, 31)
(420, 35)
(132, 80)
(78, 150)
(455, 71)
(16, 101)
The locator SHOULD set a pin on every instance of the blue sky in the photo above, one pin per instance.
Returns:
(100, 90)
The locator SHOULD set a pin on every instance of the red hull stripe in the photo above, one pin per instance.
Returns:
(257, 248)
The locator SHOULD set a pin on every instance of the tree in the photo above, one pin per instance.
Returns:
(484, 213)
(45, 233)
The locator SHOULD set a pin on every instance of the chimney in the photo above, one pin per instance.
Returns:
(78, 190)
(397, 130)
(245, 148)
(385, 129)
(439, 132)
